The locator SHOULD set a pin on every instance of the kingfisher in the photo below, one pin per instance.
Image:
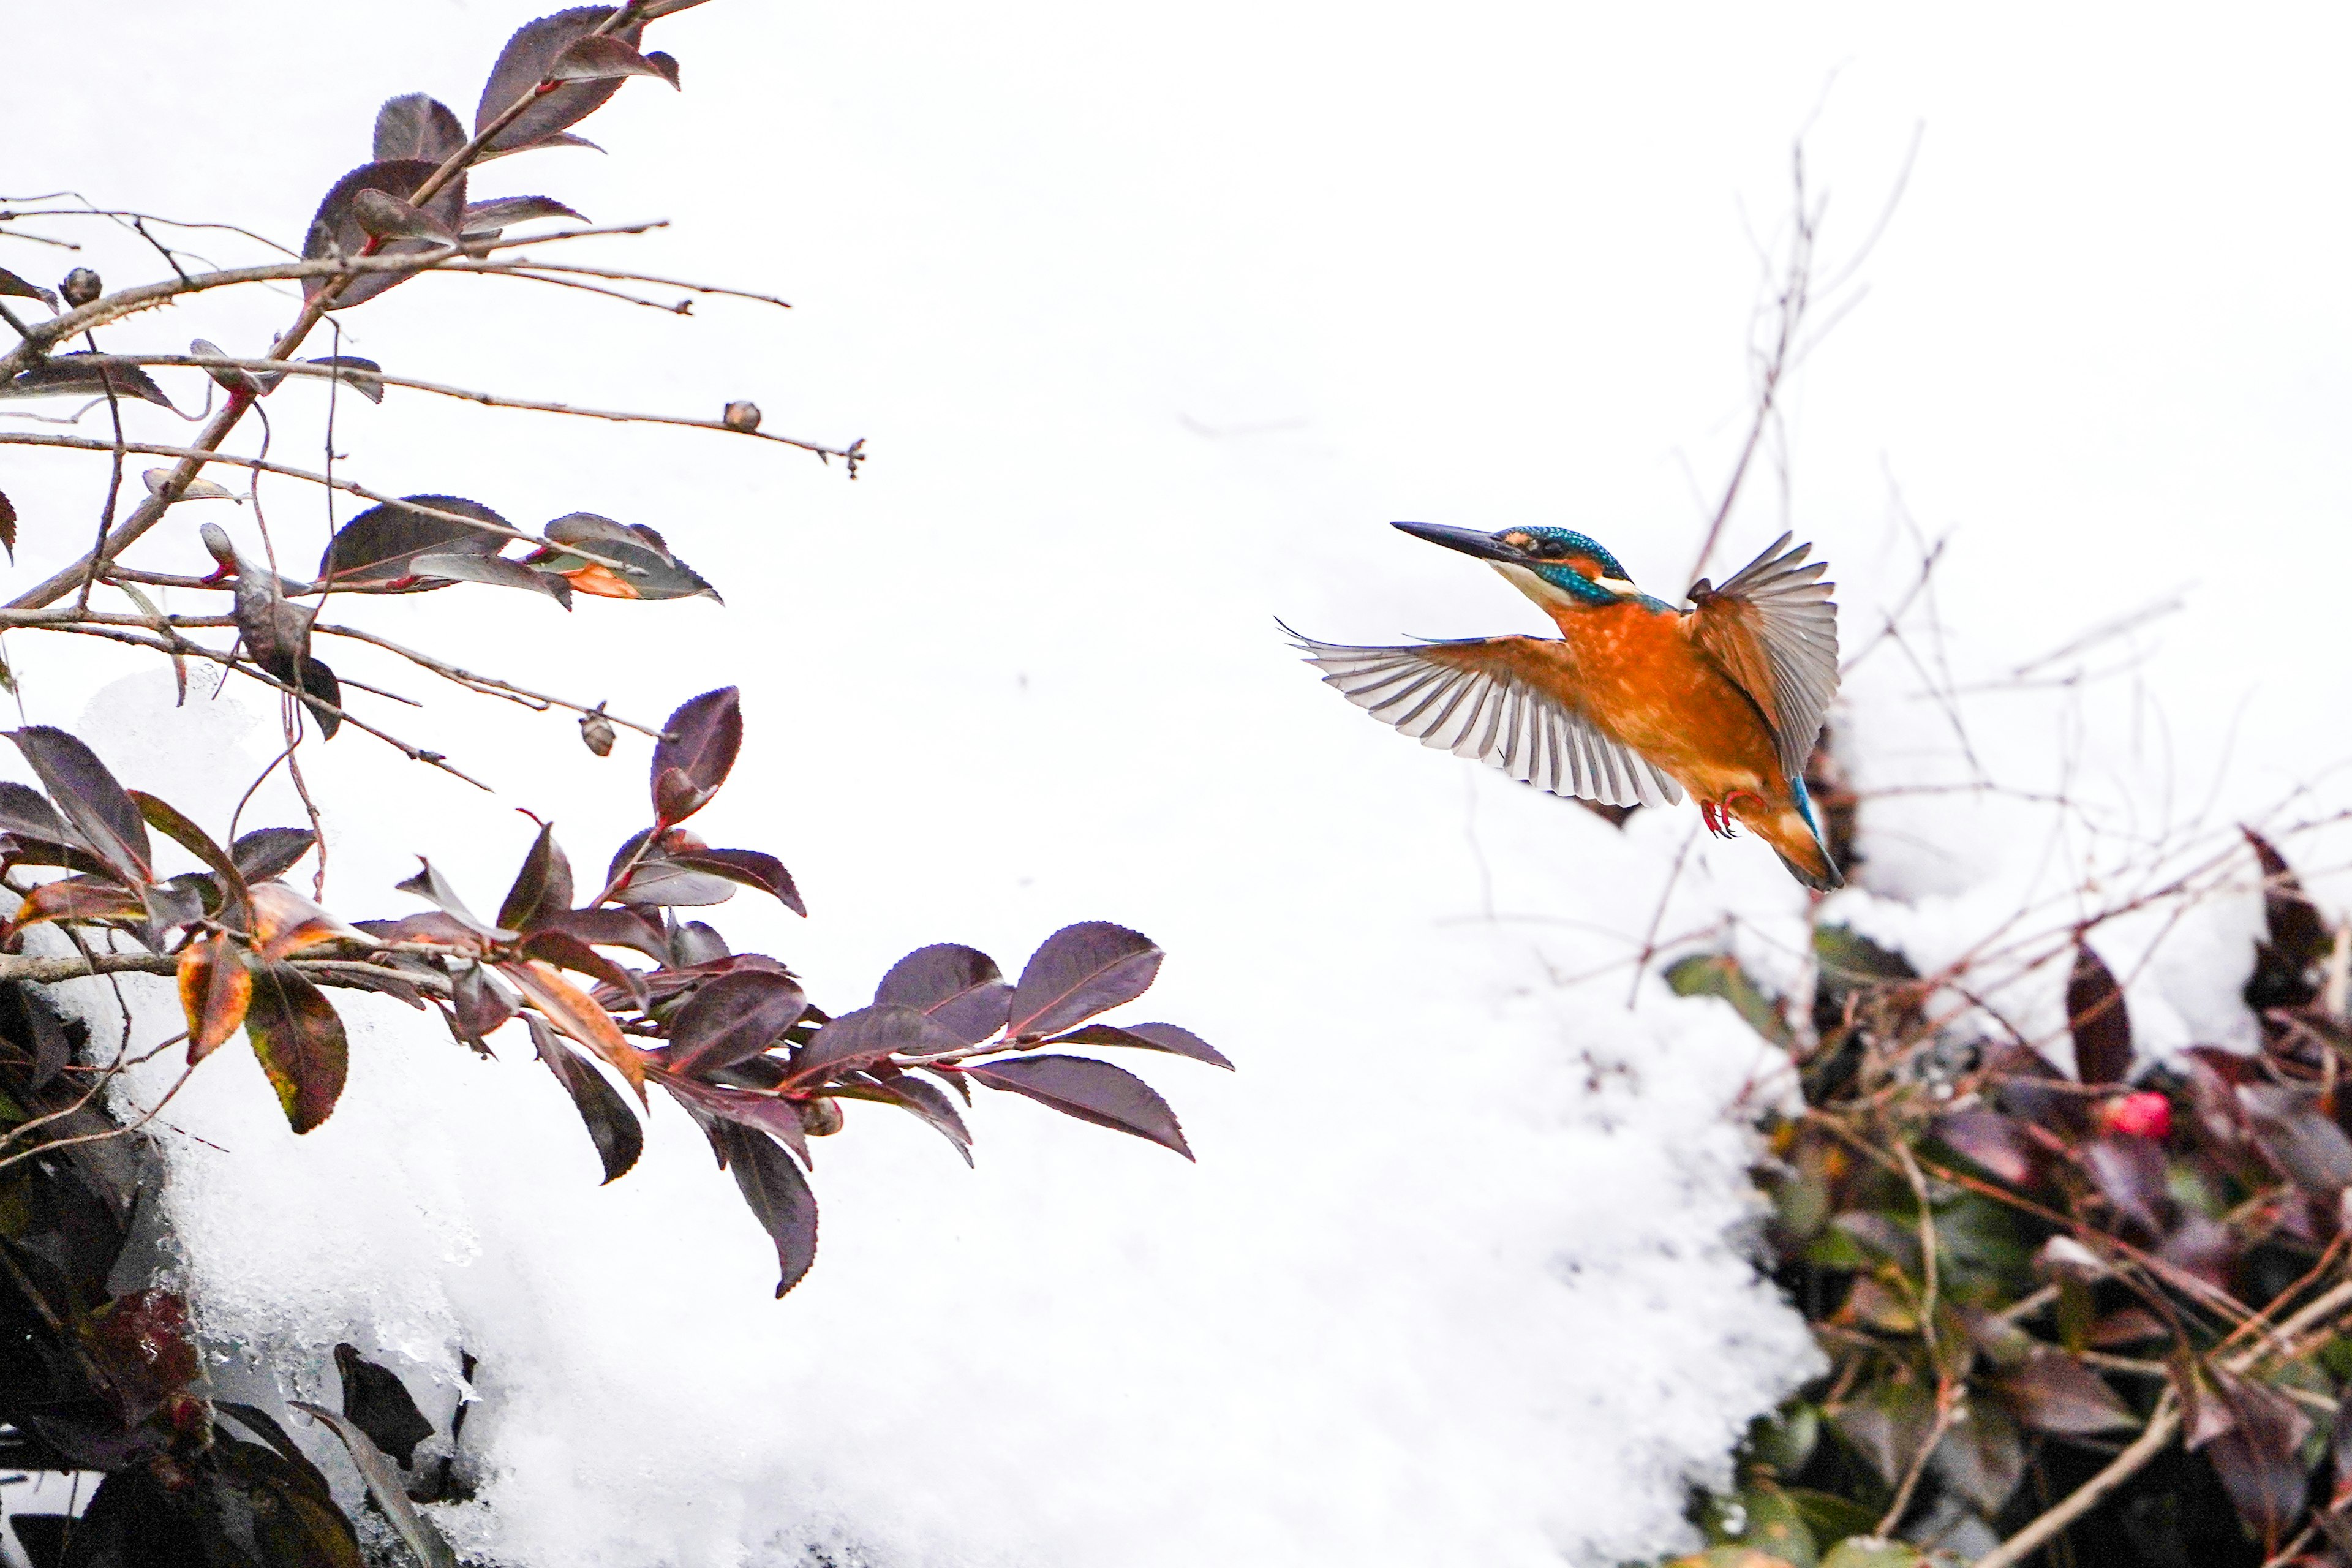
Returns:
(1637, 700)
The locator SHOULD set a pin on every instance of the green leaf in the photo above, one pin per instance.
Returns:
(1860, 1552)
(1720, 974)
(1830, 1517)
(301, 1042)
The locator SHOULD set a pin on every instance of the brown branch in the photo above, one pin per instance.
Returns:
(2152, 1441)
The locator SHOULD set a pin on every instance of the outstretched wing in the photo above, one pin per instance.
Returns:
(1484, 698)
(1773, 627)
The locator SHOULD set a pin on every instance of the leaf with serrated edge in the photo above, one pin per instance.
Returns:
(418, 125)
(777, 1194)
(866, 1036)
(339, 226)
(960, 987)
(612, 1126)
(382, 545)
(301, 1042)
(215, 988)
(698, 743)
(526, 62)
(12, 284)
(81, 787)
(731, 1019)
(434, 889)
(1078, 971)
(542, 887)
(493, 216)
(603, 58)
(1165, 1037)
(749, 867)
(575, 1012)
(767, 1112)
(496, 571)
(268, 852)
(1091, 1092)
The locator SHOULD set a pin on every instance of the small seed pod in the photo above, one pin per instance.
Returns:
(80, 286)
(596, 730)
(820, 1118)
(742, 415)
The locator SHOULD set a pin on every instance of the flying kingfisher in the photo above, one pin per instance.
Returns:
(1635, 700)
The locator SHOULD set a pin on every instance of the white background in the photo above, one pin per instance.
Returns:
(1152, 322)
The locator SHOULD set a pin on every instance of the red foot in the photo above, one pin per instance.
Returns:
(1717, 814)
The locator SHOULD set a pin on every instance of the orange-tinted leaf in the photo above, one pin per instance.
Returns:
(575, 1012)
(74, 898)
(215, 988)
(286, 923)
(301, 1042)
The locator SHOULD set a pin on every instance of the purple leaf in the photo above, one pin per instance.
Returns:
(1091, 1092)
(496, 571)
(777, 1194)
(74, 374)
(662, 882)
(2129, 1174)
(696, 753)
(749, 867)
(565, 951)
(770, 1113)
(528, 59)
(2052, 1392)
(2258, 1456)
(869, 1034)
(434, 889)
(338, 229)
(2301, 1139)
(2296, 937)
(480, 1003)
(1989, 1140)
(733, 1019)
(542, 889)
(1165, 1037)
(960, 987)
(432, 927)
(693, 941)
(381, 545)
(612, 928)
(930, 1102)
(2100, 1022)
(385, 216)
(486, 219)
(1078, 971)
(12, 284)
(89, 797)
(602, 57)
(612, 1126)
(268, 852)
(418, 125)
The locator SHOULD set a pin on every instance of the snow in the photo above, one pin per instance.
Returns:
(1154, 323)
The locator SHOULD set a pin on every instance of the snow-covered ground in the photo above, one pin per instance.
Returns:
(1153, 321)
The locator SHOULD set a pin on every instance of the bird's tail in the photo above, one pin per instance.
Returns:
(1795, 836)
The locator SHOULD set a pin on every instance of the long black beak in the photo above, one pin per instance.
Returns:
(1467, 540)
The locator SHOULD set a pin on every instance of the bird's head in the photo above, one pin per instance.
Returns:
(1556, 567)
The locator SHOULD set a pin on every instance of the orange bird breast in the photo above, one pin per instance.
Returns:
(1634, 670)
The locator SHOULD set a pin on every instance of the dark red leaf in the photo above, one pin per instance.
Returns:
(2100, 1022)
(418, 125)
(485, 220)
(612, 1125)
(432, 927)
(528, 60)
(960, 987)
(777, 1194)
(85, 375)
(268, 852)
(168, 820)
(8, 526)
(25, 812)
(74, 898)
(606, 58)
(101, 812)
(542, 889)
(2052, 1392)
(1982, 1457)
(2202, 1247)
(12, 284)
(696, 753)
(749, 867)
(383, 217)
(142, 1344)
(612, 928)
(1078, 971)
(2127, 1326)
(381, 545)
(1991, 1140)
(731, 1019)
(2301, 1139)
(301, 1042)
(1888, 1424)
(860, 1039)
(565, 951)
(2296, 938)
(480, 1003)
(338, 228)
(2258, 1457)
(660, 882)
(433, 888)
(693, 941)
(496, 571)
(1150, 1036)
(930, 1102)
(1091, 1092)
(377, 1403)
(2129, 1174)
(767, 1112)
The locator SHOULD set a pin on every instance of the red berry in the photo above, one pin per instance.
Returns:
(2143, 1115)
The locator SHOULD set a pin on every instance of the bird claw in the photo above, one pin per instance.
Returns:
(1717, 814)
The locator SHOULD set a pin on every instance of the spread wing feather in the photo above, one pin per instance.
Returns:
(1475, 698)
(1773, 627)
